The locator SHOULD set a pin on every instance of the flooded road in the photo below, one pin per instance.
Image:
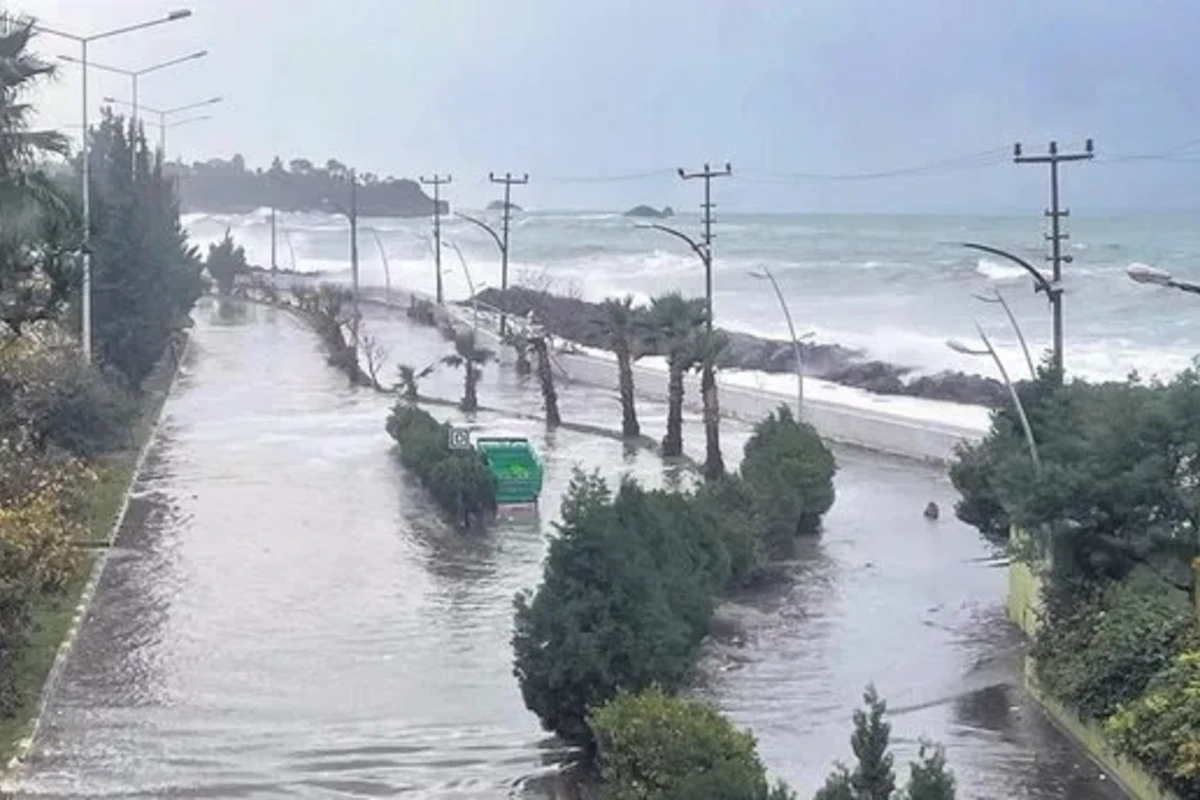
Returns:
(285, 615)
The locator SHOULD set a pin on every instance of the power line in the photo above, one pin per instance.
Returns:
(985, 158)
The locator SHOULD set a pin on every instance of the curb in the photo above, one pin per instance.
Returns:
(25, 746)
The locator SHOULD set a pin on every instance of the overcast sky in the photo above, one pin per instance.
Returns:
(607, 88)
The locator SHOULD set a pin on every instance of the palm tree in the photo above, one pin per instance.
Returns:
(619, 318)
(409, 378)
(541, 350)
(39, 229)
(708, 349)
(471, 357)
(677, 320)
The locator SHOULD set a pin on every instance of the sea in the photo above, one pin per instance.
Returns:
(897, 287)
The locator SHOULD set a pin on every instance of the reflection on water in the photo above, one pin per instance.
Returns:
(286, 615)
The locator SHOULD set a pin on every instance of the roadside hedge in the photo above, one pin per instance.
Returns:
(457, 479)
(631, 580)
(1105, 650)
(1161, 729)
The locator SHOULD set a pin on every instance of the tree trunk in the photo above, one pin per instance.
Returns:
(546, 378)
(629, 420)
(470, 401)
(714, 465)
(672, 444)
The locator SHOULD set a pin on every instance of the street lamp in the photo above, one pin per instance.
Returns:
(1140, 273)
(503, 259)
(999, 298)
(988, 350)
(86, 290)
(351, 214)
(470, 283)
(796, 352)
(387, 270)
(1040, 284)
(134, 74)
(163, 114)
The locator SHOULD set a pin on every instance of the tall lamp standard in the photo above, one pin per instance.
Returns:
(164, 113)
(86, 290)
(796, 351)
(134, 74)
(988, 350)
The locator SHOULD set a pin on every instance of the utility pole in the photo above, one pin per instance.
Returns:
(508, 180)
(714, 464)
(707, 174)
(436, 182)
(1056, 236)
(274, 265)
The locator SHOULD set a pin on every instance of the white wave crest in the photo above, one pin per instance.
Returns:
(998, 272)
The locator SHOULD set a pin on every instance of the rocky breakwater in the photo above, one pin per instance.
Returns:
(585, 323)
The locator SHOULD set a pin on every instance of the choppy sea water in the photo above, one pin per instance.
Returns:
(895, 286)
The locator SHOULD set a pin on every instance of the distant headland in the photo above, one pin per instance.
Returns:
(222, 186)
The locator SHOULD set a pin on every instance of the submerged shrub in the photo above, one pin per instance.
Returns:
(790, 472)
(458, 480)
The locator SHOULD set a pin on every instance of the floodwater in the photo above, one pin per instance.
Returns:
(285, 615)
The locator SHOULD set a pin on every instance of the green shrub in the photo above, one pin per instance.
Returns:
(790, 472)
(1119, 481)
(458, 480)
(50, 397)
(731, 504)
(1161, 728)
(655, 747)
(1102, 651)
(464, 487)
(625, 600)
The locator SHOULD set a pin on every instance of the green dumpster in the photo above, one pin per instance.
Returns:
(515, 466)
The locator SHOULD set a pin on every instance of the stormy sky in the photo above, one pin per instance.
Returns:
(617, 88)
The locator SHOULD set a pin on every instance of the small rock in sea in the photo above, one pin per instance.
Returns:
(931, 510)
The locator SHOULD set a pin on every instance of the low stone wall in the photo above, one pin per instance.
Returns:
(1136, 782)
(1024, 606)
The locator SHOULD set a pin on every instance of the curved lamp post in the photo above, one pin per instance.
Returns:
(134, 74)
(470, 282)
(1040, 284)
(387, 270)
(163, 125)
(999, 298)
(988, 350)
(351, 214)
(796, 352)
(500, 244)
(86, 288)
(1140, 273)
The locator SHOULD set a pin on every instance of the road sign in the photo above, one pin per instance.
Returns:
(460, 439)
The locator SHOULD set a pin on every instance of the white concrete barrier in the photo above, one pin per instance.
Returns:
(922, 438)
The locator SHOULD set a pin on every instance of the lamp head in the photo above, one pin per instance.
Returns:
(1141, 273)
